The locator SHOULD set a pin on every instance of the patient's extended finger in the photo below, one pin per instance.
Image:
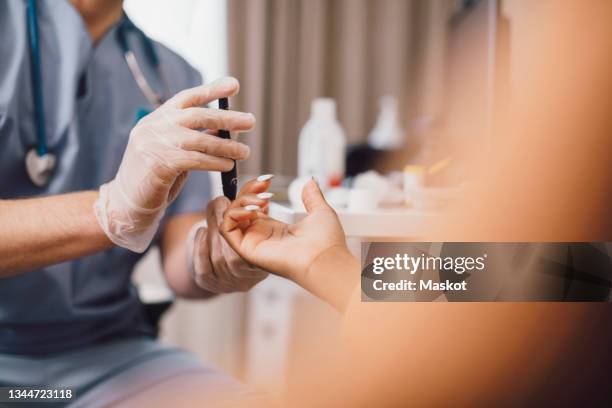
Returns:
(260, 199)
(257, 185)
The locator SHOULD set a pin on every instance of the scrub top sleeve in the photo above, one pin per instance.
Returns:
(12, 52)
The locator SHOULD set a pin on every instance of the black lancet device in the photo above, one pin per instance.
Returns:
(229, 179)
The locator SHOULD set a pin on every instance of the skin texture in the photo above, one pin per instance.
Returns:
(43, 231)
(98, 15)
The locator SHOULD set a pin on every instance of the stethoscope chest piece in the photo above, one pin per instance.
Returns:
(39, 168)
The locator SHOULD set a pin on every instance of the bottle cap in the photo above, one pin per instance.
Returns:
(323, 108)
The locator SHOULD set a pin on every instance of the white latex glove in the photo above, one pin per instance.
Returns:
(162, 148)
(216, 267)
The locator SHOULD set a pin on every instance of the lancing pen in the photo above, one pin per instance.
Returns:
(229, 179)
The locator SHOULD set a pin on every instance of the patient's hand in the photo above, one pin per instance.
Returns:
(286, 250)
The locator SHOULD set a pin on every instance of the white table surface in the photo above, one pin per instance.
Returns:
(397, 222)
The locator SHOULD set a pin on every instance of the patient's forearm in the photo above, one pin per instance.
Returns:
(333, 277)
(36, 232)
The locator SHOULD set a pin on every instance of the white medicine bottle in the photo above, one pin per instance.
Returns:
(387, 134)
(322, 145)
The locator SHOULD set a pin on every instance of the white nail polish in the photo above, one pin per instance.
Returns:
(265, 196)
(265, 177)
(252, 207)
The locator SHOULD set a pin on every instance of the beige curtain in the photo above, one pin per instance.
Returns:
(287, 52)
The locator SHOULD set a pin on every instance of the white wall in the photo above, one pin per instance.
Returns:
(196, 29)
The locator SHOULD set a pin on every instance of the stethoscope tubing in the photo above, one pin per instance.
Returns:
(153, 97)
(36, 78)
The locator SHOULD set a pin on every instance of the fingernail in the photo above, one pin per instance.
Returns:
(315, 180)
(228, 81)
(265, 196)
(246, 150)
(246, 116)
(265, 177)
(252, 207)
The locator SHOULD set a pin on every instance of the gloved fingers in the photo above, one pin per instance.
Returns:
(240, 268)
(219, 267)
(233, 262)
(216, 277)
(204, 94)
(213, 145)
(177, 186)
(215, 210)
(212, 284)
(244, 284)
(189, 160)
(201, 255)
(217, 207)
(227, 266)
(238, 273)
(205, 118)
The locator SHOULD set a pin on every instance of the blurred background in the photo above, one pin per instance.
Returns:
(394, 69)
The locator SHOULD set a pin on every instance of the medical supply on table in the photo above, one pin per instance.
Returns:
(338, 197)
(39, 162)
(419, 192)
(295, 192)
(387, 133)
(229, 179)
(322, 145)
(363, 200)
(438, 167)
(414, 182)
(381, 186)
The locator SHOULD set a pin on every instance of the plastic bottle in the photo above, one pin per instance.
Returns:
(387, 133)
(322, 145)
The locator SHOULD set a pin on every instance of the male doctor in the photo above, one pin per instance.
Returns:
(75, 220)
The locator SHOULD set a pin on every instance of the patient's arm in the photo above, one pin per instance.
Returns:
(36, 232)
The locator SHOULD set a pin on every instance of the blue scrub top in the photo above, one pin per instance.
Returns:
(90, 102)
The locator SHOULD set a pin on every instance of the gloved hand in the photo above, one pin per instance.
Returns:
(216, 267)
(162, 148)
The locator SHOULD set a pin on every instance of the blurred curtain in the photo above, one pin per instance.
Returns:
(287, 52)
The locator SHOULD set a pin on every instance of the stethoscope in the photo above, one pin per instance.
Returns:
(39, 162)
